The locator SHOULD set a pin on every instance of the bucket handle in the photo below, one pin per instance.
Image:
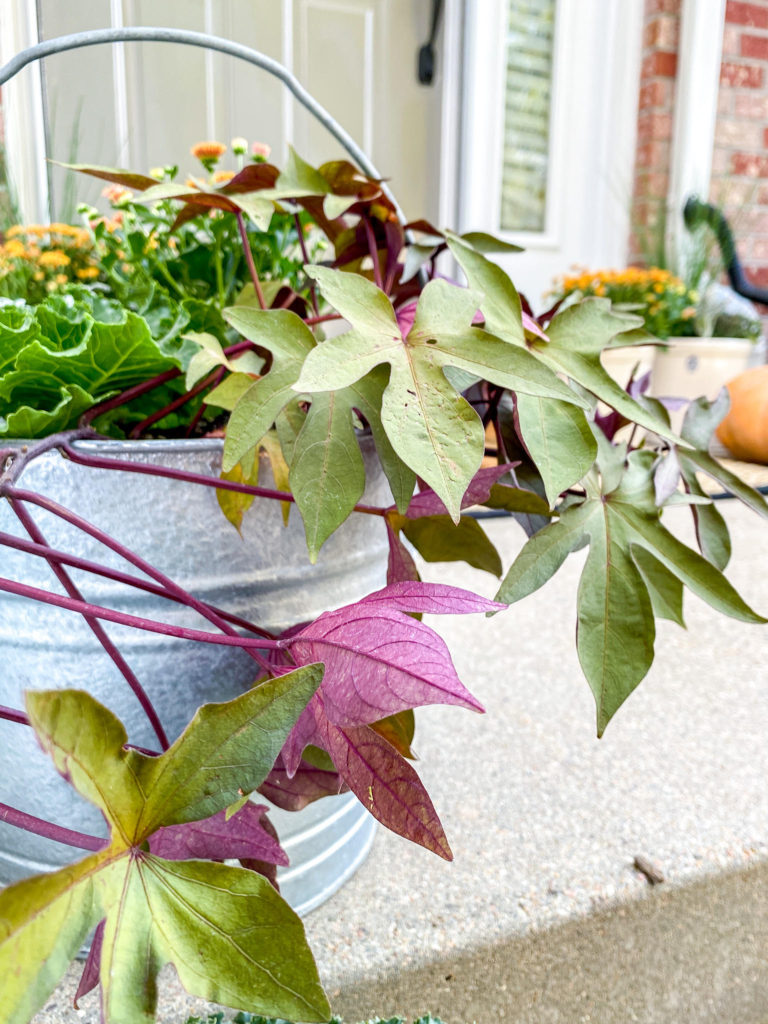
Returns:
(187, 37)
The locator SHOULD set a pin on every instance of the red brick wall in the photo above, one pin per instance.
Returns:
(654, 123)
(740, 157)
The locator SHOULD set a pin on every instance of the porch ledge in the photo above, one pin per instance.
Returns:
(542, 916)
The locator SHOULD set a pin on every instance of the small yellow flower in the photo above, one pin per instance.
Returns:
(14, 249)
(158, 173)
(688, 313)
(14, 231)
(87, 273)
(61, 279)
(54, 258)
(222, 177)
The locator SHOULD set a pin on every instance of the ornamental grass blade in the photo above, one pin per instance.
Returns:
(387, 786)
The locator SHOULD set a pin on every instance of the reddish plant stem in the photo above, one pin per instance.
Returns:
(127, 396)
(20, 718)
(177, 403)
(13, 715)
(250, 647)
(372, 249)
(249, 258)
(31, 548)
(57, 833)
(99, 462)
(305, 257)
(312, 320)
(138, 622)
(97, 629)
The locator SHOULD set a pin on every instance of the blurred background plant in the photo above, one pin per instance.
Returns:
(667, 306)
(696, 259)
(38, 259)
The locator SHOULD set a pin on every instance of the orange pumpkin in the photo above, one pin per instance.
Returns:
(744, 431)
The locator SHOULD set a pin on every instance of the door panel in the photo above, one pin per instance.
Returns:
(145, 104)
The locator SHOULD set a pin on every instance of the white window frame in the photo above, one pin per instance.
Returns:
(615, 83)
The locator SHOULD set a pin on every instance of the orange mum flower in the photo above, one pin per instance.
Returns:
(208, 153)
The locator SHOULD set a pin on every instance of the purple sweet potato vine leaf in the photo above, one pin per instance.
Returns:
(216, 838)
(380, 661)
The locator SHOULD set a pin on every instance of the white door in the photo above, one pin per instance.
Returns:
(550, 108)
(140, 105)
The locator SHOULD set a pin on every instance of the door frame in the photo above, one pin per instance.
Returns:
(610, 82)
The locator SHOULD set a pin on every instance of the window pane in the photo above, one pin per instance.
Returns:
(528, 90)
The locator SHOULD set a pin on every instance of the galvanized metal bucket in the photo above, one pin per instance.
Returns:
(264, 576)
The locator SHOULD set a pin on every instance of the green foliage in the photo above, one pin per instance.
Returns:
(667, 305)
(197, 915)
(61, 357)
(635, 569)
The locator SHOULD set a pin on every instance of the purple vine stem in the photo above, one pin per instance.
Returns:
(20, 718)
(177, 403)
(100, 462)
(251, 647)
(374, 252)
(59, 834)
(305, 257)
(31, 548)
(138, 622)
(13, 715)
(249, 258)
(98, 630)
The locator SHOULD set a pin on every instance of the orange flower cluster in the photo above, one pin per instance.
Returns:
(664, 301)
(36, 259)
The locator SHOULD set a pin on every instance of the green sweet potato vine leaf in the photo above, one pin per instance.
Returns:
(229, 934)
(572, 345)
(430, 426)
(326, 471)
(635, 569)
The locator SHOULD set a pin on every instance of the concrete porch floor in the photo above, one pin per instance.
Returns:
(542, 918)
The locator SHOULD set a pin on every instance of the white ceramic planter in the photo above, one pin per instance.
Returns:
(620, 362)
(691, 367)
